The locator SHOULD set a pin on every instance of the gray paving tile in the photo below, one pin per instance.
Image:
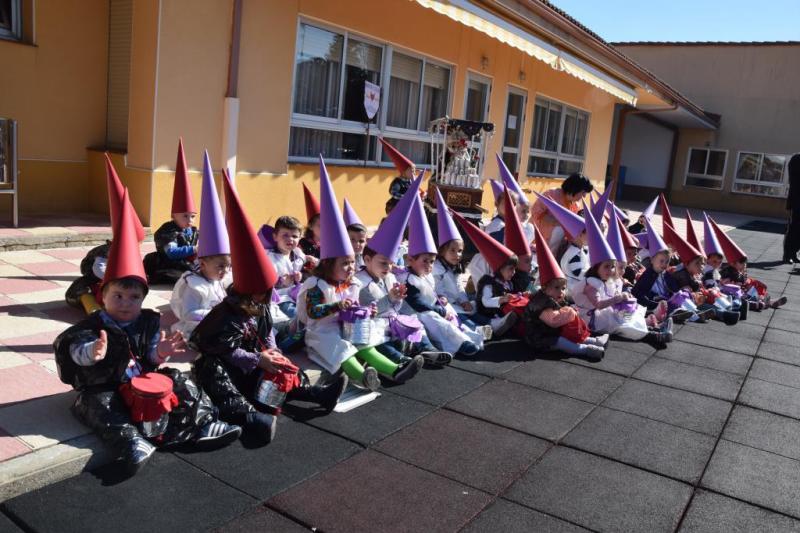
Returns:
(261, 519)
(776, 372)
(577, 382)
(617, 359)
(779, 336)
(755, 476)
(509, 517)
(746, 329)
(540, 413)
(780, 352)
(691, 378)
(718, 339)
(771, 397)
(704, 356)
(633, 346)
(601, 494)
(465, 449)
(765, 431)
(663, 448)
(684, 409)
(714, 513)
(438, 386)
(760, 318)
(785, 320)
(497, 358)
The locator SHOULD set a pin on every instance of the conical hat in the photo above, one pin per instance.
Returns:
(350, 215)
(620, 213)
(420, 238)
(628, 240)
(655, 243)
(514, 236)
(213, 238)
(182, 200)
(549, 268)
(312, 204)
(497, 189)
(615, 239)
(492, 251)
(401, 162)
(691, 236)
(573, 224)
(599, 209)
(509, 181)
(124, 256)
(685, 251)
(387, 238)
(710, 242)
(666, 216)
(733, 252)
(650, 210)
(253, 272)
(115, 193)
(447, 230)
(599, 250)
(334, 240)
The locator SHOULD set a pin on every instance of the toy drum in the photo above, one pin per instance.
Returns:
(150, 399)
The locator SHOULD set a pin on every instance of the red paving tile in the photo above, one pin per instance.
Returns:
(49, 268)
(24, 382)
(20, 285)
(10, 446)
(37, 347)
(12, 232)
(67, 253)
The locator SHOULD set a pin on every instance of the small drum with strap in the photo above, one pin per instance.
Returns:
(517, 304)
(150, 399)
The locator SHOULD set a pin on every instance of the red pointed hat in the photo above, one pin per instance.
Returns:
(124, 257)
(514, 235)
(628, 240)
(115, 193)
(732, 251)
(666, 216)
(182, 201)
(691, 236)
(400, 161)
(685, 251)
(312, 203)
(495, 253)
(253, 272)
(549, 268)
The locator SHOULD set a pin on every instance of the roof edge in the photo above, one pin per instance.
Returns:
(705, 43)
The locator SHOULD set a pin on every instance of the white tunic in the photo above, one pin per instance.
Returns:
(377, 291)
(193, 296)
(496, 224)
(574, 264)
(286, 264)
(449, 286)
(629, 325)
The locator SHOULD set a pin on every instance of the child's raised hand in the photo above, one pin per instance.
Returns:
(100, 346)
(171, 345)
(397, 292)
(346, 304)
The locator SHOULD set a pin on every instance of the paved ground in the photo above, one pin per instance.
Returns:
(701, 436)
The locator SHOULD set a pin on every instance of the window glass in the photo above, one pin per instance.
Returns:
(308, 142)
(477, 99)
(403, 105)
(363, 63)
(435, 90)
(317, 72)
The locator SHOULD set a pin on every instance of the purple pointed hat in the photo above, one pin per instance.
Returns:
(573, 224)
(614, 238)
(446, 226)
(497, 189)
(509, 181)
(599, 249)
(420, 238)
(711, 244)
(334, 241)
(620, 213)
(350, 215)
(650, 210)
(599, 208)
(213, 233)
(387, 238)
(643, 239)
(655, 243)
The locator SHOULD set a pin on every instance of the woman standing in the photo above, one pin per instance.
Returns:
(570, 195)
(791, 241)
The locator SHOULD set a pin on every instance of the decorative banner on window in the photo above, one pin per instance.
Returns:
(372, 98)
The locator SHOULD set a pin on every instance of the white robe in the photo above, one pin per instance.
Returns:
(477, 268)
(444, 334)
(448, 285)
(193, 296)
(629, 325)
(286, 264)
(574, 264)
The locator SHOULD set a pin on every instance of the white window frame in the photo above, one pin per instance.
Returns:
(513, 89)
(557, 155)
(783, 185)
(480, 78)
(379, 128)
(705, 176)
(15, 33)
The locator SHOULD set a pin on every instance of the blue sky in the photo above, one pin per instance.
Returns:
(688, 20)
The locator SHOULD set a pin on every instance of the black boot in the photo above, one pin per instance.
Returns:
(731, 318)
(261, 427)
(743, 308)
(326, 395)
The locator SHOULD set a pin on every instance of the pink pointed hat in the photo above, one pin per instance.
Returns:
(733, 252)
(650, 210)
(666, 216)
(445, 225)
(387, 238)
(573, 224)
(655, 243)
(509, 181)
(615, 238)
(599, 209)
(599, 249)
(710, 242)
(182, 200)
(334, 241)
(213, 233)
(497, 189)
(691, 235)
(420, 238)
(350, 215)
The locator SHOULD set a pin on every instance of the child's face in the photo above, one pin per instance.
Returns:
(410, 172)
(641, 220)
(344, 268)
(216, 267)
(740, 265)
(452, 254)
(523, 212)
(507, 272)
(359, 240)
(660, 261)
(287, 240)
(715, 261)
(556, 289)
(695, 266)
(607, 270)
(620, 268)
(630, 254)
(524, 264)
(184, 220)
(377, 265)
(422, 264)
(315, 228)
(121, 304)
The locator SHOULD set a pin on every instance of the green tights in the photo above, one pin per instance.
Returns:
(355, 370)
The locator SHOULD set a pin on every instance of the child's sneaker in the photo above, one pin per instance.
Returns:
(216, 435)
(468, 349)
(409, 370)
(600, 340)
(502, 325)
(681, 315)
(705, 315)
(666, 326)
(731, 318)
(437, 358)
(261, 426)
(370, 380)
(593, 353)
(779, 302)
(137, 452)
(487, 332)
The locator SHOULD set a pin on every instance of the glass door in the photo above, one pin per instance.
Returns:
(514, 126)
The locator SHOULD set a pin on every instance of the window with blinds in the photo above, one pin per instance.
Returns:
(331, 68)
(558, 139)
(119, 68)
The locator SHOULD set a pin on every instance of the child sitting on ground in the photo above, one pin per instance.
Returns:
(84, 292)
(357, 233)
(406, 170)
(101, 355)
(289, 262)
(572, 252)
(550, 324)
(711, 277)
(175, 240)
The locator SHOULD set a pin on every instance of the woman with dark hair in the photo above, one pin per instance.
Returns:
(791, 242)
(569, 195)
